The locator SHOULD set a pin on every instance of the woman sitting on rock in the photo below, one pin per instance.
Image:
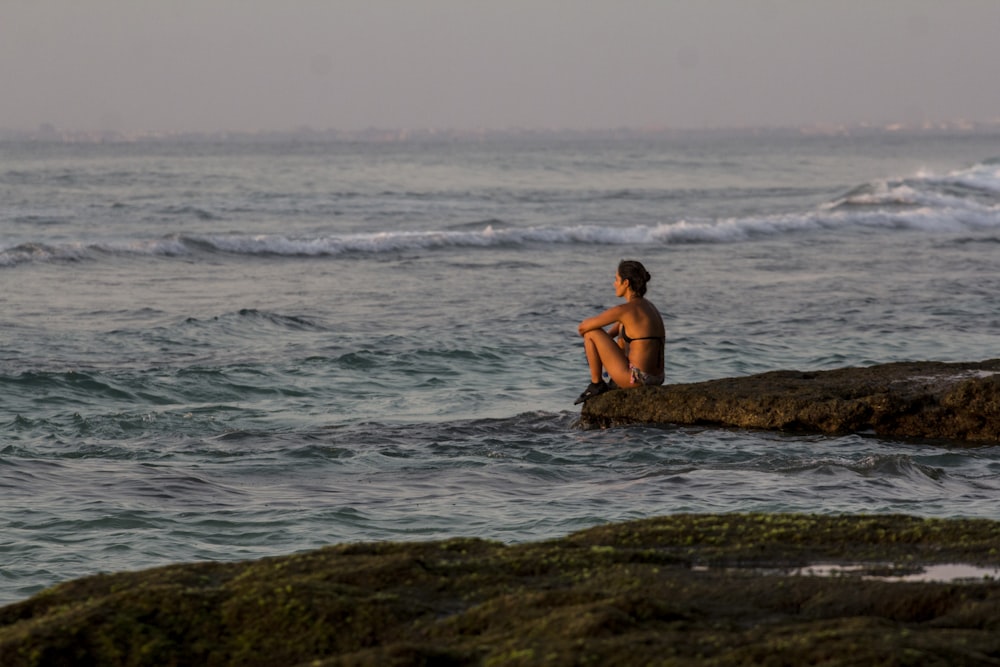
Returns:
(636, 358)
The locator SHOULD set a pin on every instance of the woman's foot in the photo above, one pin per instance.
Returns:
(593, 389)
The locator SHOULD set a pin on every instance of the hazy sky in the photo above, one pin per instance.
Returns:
(349, 64)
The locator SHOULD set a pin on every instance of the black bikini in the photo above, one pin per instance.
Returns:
(629, 340)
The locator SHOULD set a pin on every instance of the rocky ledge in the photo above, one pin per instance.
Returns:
(932, 400)
(678, 590)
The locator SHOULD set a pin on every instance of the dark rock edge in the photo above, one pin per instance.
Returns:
(957, 402)
(619, 594)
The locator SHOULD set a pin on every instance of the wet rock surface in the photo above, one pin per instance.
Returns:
(678, 590)
(932, 400)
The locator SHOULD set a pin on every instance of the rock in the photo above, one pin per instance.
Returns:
(931, 400)
(683, 590)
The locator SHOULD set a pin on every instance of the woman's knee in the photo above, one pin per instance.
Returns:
(596, 334)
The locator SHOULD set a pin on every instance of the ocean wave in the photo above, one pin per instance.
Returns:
(961, 200)
(728, 230)
(983, 177)
(976, 188)
(77, 251)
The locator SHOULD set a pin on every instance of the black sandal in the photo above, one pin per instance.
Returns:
(593, 389)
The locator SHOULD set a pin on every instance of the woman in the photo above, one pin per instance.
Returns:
(637, 357)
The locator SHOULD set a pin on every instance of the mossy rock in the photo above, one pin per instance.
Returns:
(675, 590)
(952, 402)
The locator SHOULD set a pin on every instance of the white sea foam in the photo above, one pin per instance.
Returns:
(729, 230)
(951, 378)
(960, 200)
(930, 213)
(984, 176)
(944, 572)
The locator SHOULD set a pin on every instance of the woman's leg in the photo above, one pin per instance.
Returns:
(603, 353)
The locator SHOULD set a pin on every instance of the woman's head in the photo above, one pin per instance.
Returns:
(636, 275)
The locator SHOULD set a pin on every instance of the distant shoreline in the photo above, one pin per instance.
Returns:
(51, 134)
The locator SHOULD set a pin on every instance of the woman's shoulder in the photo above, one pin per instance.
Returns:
(650, 312)
(643, 306)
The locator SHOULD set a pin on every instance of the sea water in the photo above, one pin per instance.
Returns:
(230, 350)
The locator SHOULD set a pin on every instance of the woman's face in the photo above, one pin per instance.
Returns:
(620, 285)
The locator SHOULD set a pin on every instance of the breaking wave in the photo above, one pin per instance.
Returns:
(963, 200)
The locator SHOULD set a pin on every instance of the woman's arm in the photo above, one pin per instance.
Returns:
(610, 316)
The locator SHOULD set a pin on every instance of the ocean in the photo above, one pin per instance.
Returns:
(237, 349)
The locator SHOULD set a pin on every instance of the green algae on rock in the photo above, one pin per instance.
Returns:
(621, 594)
(932, 400)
